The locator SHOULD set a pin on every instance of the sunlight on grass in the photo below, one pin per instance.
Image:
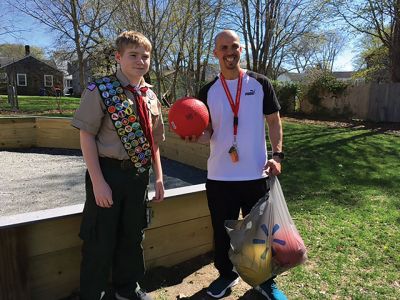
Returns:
(342, 188)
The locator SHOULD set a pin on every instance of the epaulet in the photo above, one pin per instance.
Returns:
(91, 86)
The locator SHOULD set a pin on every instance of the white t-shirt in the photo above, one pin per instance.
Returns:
(257, 99)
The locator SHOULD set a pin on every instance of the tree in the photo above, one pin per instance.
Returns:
(77, 22)
(379, 19)
(17, 51)
(268, 27)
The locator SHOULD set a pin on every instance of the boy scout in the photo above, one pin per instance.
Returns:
(120, 126)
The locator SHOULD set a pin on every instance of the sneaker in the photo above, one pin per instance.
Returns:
(219, 286)
(270, 290)
(139, 294)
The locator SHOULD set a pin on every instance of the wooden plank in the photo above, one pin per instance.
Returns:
(13, 262)
(178, 257)
(54, 275)
(177, 237)
(52, 235)
(179, 208)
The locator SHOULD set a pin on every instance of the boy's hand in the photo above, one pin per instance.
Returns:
(159, 191)
(103, 194)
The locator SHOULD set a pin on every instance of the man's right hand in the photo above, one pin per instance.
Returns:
(103, 194)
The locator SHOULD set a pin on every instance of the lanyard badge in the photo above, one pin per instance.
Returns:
(233, 150)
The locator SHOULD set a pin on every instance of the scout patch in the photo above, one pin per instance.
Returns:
(125, 122)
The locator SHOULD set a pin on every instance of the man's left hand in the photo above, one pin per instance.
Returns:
(159, 191)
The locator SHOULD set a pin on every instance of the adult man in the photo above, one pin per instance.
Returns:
(237, 101)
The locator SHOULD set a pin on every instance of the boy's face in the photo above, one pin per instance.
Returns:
(134, 61)
(228, 50)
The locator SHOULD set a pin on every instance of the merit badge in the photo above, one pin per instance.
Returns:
(121, 131)
(135, 143)
(114, 116)
(141, 139)
(131, 152)
(105, 94)
(106, 79)
(99, 80)
(125, 121)
(144, 161)
(131, 135)
(121, 114)
(127, 146)
(107, 102)
(141, 155)
(112, 92)
(125, 104)
(139, 133)
(129, 111)
(119, 90)
(148, 152)
(124, 139)
(91, 86)
(128, 128)
(116, 84)
(116, 99)
(109, 86)
(135, 125)
(134, 158)
(138, 149)
(132, 119)
(111, 109)
(102, 87)
(118, 106)
(118, 124)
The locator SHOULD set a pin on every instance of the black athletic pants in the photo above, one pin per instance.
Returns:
(112, 237)
(225, 199)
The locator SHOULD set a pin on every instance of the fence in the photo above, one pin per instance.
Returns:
(372, 102)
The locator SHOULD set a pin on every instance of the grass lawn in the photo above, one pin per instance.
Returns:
(41, 105)
(342, 186)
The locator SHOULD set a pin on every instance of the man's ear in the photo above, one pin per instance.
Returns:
(215, 53)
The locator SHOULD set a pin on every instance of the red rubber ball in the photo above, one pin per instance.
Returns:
(188, 116)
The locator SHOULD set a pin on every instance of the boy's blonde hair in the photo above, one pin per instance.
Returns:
(132, 38)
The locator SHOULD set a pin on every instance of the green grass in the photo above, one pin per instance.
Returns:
(342, 187)
(41, 105)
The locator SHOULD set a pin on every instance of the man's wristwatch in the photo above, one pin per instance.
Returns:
(281, 155)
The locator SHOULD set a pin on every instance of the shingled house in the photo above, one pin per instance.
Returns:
(31, 75)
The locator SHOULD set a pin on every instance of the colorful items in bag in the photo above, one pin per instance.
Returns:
(125, 122)
(265, 243)
(254, 263)
(288, 248)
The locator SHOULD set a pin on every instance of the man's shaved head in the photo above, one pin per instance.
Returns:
(226, 32)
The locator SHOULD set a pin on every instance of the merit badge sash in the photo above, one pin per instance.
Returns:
(125, 122)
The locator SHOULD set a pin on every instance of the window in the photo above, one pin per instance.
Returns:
(3, 77)
(48, 80)
(68, 83)
(21, 80)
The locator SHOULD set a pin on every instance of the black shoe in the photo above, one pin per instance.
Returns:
(139, 294)
(220, 286)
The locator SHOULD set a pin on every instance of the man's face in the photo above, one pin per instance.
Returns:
(134, 61)
(228, 50)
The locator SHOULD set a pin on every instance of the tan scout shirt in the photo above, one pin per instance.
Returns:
(92, 116)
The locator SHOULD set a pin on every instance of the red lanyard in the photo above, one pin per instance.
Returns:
(234, 106)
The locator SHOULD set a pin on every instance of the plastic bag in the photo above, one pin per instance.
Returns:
(266, 242)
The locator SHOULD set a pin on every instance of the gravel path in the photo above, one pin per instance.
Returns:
(35, 179)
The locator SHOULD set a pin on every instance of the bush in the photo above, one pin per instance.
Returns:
(287, 93)
(320, 83)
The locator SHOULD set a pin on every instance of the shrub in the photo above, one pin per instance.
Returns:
(287, 93)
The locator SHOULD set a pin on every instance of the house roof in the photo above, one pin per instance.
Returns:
(4, 60)
(30, 56)
(343, 74)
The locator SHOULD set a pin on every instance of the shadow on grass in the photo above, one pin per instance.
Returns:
(337, 164)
